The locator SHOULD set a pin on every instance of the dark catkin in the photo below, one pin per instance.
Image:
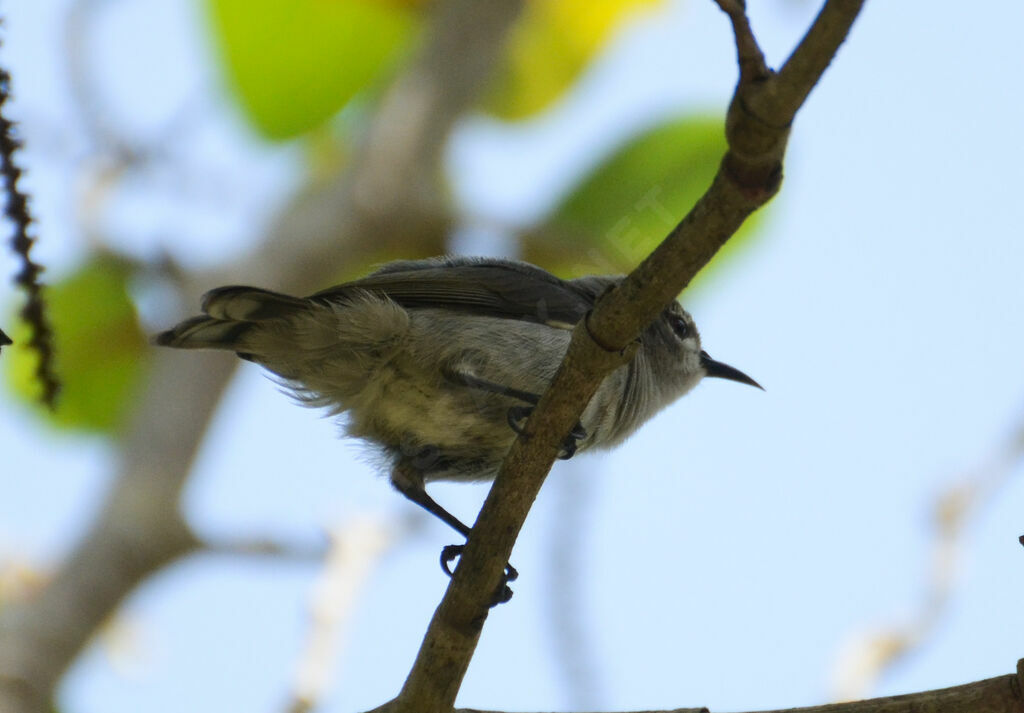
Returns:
(17, 210)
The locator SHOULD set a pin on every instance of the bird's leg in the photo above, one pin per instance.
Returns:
(409, 482)
(474, 382)
(517, 415)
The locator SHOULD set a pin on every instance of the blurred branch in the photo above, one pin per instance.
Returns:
(95, 114)
(16, 209)
(757, 128)
(115, 156)
(1002, 694)
(868, 659)
(389, 198)
(263, 548)
(572, 644)
(356, 547)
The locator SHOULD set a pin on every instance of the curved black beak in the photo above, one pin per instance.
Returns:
(724, 371)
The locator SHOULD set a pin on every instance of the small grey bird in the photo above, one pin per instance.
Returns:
(437, 362)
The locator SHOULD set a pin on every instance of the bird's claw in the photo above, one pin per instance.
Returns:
(448, 555)
(517, 416)
(451, 552)
(572, 442)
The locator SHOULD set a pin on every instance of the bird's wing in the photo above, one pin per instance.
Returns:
(495, 288)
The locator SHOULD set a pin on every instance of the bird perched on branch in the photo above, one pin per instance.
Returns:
(438, 362)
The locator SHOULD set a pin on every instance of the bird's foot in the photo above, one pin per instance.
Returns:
(450, 553)
(517, 416)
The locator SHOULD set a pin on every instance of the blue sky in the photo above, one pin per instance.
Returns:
(731, 551)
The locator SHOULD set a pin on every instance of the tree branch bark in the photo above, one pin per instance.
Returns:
(1002, 694)
(390, 199)
(757, 128)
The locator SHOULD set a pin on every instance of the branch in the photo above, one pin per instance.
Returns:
(674, 710)
(748, 54)
(1002, 694)
(263, 548)
(810, 59)
(17, 211)
(757, 127)
(356, 548)
(572, 641)
(140, 528)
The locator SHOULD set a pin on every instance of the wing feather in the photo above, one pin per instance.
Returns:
(495, 288)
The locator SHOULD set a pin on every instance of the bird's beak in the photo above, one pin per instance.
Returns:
(724, 371)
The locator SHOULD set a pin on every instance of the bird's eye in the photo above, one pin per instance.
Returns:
(679, 325)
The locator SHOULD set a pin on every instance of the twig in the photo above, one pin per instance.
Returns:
(356, 547)
(572, 646)
(748, 54)
(17, 211)
(262, 548)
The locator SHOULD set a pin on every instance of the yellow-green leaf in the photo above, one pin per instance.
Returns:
(551, 44)
(295, 63)
(619, 213)
(100, 347)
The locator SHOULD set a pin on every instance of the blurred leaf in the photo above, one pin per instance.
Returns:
(294, 64)
(551, 44)
(100, 349)
(619, 213)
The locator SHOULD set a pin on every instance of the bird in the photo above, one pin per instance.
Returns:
(437, 362)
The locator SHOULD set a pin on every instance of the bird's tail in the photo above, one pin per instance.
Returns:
(323, 351)
(230, 313)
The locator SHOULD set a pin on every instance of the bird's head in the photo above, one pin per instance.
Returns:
(672, 345)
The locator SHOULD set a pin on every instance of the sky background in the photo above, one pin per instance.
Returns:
(733, 552)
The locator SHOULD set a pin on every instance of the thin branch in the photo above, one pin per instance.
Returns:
(356, 547)
(812, 56)
(748, 53)
(17, 211)
(573, 653)
(262, 548)
(748, 177)
(674, 710)
(1001, 694)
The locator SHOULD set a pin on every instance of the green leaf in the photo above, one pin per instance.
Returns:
(295, 63)
(100, 346)
(619, 213)
(551, 44)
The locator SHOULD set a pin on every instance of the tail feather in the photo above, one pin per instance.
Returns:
(231, 314)
(204, 333)
(249, 304)
(323, 350)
